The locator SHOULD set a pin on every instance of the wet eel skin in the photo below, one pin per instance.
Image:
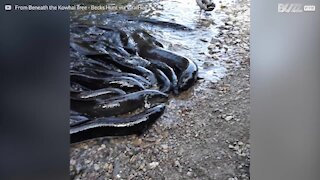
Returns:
(99, 94)
(125, 83)
(118, 105)
(116, 126)
(125, 66)
(185, 69)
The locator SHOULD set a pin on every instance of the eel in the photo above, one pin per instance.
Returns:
(90, 63)
(125, 66)
(119, 104)
(108, 73)
(163, 82)
(95, 83)
(169, 72)
(99, 94)
(116, 126)
(185, 69)
(83, 47)
(76, 119)
(138, 20)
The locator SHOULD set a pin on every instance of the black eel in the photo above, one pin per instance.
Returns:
(100, 94)
(90, 63)
(95, 83)
(116, 126)
(154, 66)
(107, 73)
(83, 47)
(125, 66)
(185, 69)
(169, 72)
(118, 105)
(163, 81)
(76, 118)
(138, 20)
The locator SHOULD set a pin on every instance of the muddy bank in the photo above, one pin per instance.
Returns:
(204, 133)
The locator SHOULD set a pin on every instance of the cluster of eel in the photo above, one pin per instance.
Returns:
(120, 81)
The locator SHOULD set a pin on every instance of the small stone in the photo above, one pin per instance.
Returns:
(103, 146)
(214, 40)
(87, 161)
(133, 159)
(96, 167)
(141, 166)
(235, 178)
(78, 168)
(106, 166)
(228, 118)
(229, 23)
(176, 163)
(153, 165)
(189, 173)
(72, 162)
(137, 142)
(110, 168)
(211, 46)
(165, 147)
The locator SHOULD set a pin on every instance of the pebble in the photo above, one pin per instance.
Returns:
(228, 118)
(96, 167)
(137, 142)
(78, 168)
(234, 178)
(229, 23)
(165, 147)
(177, 163)
(211, 46)
(153, 165)
(87, 161)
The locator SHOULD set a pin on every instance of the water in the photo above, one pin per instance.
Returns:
(191, 44)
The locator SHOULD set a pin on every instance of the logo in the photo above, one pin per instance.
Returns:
(295, 8)
(7, 7)
(290, 8)
(309, 8)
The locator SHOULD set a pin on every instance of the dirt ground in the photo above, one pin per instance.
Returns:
(204, 133)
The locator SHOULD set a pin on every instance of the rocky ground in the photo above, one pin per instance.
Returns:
(204, 133)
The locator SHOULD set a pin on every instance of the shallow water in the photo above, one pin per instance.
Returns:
(191, 44)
